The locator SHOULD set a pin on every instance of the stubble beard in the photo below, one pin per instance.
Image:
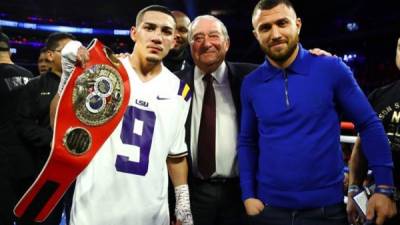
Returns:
(282, 56)
(153, 60)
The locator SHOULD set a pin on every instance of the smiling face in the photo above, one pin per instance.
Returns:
(154, 36)
(277, 31)
(181, 33)
(208, 44)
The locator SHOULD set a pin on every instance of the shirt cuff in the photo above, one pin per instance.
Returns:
(247, 191)
(383, 175)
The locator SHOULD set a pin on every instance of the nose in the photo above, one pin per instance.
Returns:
(177, 37)
(275, 34)
(178, 34)
(157, 36)
(206, 41)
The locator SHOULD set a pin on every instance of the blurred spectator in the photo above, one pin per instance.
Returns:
(16, 164)
(43, 63)
(178, 58)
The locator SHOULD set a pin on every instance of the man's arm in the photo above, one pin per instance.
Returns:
(248, 154)
(357, 174)
(178, 171)
(319, 52)
(72, 53)
(375, 145)
(53, 108)
(355, 106)
(357, 165)
(378, 204)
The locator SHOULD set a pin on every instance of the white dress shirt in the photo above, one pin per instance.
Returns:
(226, 123)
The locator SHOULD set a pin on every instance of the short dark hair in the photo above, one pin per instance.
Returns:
(269, 4)
(156, 8)
(43, 50)
(53, 40)
(4, 42)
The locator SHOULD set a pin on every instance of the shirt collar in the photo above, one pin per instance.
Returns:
(298, 66)
(220, 75)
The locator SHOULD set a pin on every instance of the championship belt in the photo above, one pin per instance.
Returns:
(92, 104)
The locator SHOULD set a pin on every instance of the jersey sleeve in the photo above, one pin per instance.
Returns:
(179, 147)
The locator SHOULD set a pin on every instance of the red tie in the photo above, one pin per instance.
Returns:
(206, 144)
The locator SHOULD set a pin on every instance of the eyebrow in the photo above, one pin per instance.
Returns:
(214, 32)
(269, 24)
(264, 25)
(211, 32)
(163, 26)
(181, 28)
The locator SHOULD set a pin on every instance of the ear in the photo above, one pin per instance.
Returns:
(47, 55)
(298, 25)
(133, 33)
(50, 56)
(255, 34)
(227, 44)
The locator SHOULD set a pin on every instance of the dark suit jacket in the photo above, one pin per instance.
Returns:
(236, 73)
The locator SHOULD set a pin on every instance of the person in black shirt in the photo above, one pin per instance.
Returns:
(43, 61)
(178, 58)
(33, 118)
(16, 164)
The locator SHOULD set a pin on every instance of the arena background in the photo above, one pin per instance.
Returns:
(362, 32)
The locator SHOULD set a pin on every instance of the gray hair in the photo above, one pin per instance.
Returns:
(207, 17)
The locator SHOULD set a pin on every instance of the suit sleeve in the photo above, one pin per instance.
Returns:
(374, 142)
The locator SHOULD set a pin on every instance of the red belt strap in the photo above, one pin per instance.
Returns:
(91, 106)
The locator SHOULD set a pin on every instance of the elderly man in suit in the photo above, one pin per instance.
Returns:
(212, 124)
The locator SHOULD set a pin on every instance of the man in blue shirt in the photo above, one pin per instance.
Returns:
(291, 166)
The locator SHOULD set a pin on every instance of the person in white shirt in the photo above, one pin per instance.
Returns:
(127, 180)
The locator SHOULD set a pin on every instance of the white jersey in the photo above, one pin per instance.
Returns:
(126, 183)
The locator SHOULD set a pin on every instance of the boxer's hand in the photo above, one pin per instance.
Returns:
(82, 56)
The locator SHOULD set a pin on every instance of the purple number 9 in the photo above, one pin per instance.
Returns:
(140, 136)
